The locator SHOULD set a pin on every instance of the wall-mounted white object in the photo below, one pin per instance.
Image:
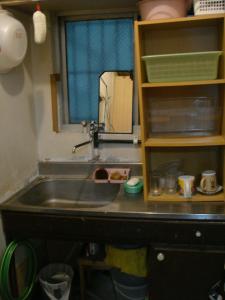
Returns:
(13, 41)
(40, 26)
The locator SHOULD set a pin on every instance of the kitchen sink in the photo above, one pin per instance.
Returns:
(69, 193)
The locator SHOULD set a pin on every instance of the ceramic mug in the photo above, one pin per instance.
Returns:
(186, 184)
(208, 182)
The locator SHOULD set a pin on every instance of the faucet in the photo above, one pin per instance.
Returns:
(93, 134)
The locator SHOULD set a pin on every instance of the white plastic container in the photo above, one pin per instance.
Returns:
(163, 9)
(40, 27)
(202, 7)
(13, 42)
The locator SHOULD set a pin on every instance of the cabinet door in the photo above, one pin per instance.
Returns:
(184, 274)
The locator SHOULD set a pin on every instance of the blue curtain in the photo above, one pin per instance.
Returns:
(92, 48)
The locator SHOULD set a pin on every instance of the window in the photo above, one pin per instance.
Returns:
(92, 47)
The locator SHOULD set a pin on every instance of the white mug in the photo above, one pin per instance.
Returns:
(208, 182)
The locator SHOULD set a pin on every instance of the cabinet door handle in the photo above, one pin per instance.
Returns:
(160, 257)
(198, 234)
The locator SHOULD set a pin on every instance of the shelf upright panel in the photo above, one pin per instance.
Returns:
(222, 92)
(145, 157)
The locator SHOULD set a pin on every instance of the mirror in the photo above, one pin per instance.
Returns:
(116, 102)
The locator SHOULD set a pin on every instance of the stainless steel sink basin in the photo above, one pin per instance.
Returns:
(66, 193)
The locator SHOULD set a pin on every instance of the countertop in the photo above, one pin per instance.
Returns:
(131, 206)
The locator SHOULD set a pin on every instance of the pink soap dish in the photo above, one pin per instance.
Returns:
(111, 175)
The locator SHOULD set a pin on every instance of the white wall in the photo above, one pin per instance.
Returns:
(58, 146)
(18, 146)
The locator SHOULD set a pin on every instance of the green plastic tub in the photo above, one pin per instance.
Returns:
(182, 66)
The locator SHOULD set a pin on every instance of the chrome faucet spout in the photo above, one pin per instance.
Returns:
(78, 146)
(93, 134)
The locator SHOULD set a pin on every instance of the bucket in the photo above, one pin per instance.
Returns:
(125, 292)
(163, 9)
(129, 287)
(56, 281)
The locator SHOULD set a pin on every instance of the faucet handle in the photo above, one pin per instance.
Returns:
(74, 149)
(93, 127)
(84, 124)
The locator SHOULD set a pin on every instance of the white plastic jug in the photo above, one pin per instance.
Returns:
(13, 42)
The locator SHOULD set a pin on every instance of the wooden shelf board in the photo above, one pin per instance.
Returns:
(178, 198)
(183, 83)
(186, 142)
(213, 17)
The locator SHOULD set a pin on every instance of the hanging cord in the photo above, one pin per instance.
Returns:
(5, 288)
(107, 106)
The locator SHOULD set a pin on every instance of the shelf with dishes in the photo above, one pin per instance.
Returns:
(184, 174)
(181, 79)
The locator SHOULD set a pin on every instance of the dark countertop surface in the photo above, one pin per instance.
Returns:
(129, 206)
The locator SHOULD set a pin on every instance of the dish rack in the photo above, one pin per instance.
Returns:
(182, 66)
(202, 7)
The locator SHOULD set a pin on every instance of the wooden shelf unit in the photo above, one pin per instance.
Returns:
(167, 36)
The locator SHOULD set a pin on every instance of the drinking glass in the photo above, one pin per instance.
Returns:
(156, 188)
(171, 184)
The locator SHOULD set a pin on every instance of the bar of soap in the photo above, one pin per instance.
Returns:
(133, 181)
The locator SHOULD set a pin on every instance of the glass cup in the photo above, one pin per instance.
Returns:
(171, 184)
(156, 188)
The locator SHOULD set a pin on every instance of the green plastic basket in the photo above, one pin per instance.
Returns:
(182, 66)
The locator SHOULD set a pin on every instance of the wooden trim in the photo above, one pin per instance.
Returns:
(145, 157)
(222, 96)
(183, 83)
(186, 141)
(54, 78)
(191, 19)
(17, 2)
(76, 15)
(178, 198)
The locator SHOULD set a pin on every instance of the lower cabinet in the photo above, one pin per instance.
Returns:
(178, 273)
